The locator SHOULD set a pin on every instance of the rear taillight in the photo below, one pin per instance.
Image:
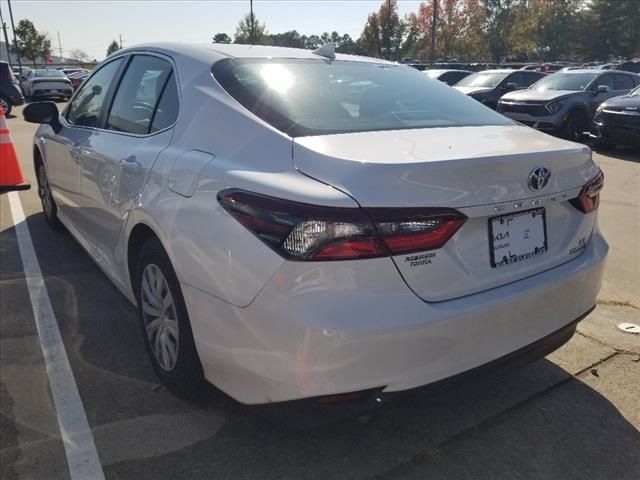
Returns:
(589, 197)
(301, 231)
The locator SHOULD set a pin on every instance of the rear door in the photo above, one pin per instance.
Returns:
(116, 161)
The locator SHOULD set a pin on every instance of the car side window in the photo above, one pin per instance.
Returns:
(167, 111)
(622, 82)
(137, 97)
(606, 80)
(531, 78)
(517, 78)
(85, 108)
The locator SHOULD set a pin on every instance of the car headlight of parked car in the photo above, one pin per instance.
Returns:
(597, 118)
(554, 107)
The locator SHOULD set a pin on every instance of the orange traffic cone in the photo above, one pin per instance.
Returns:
(10, 173)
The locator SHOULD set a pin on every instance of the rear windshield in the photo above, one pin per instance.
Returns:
(565, 81)
(317, 97)
(49, 73)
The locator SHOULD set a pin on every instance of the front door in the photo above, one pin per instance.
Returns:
(117, 159)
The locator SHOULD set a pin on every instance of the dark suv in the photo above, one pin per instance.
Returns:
(489, 85)
(10, 93)
(565, 102)
(617, 121)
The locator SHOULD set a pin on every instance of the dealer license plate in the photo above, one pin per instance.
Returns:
(517, 237)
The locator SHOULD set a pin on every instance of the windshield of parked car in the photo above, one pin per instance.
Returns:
(636, 92)
(565, 81)
(49, 73)
(482, 79)
(317, 97)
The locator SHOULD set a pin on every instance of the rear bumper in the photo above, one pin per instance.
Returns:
(325, 329)
(49, 93)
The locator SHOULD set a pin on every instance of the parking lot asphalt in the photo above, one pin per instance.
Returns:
(573, 415)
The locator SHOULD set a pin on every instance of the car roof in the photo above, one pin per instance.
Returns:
(585, 70)
(500, 70)
(445, 70)
(213, 52)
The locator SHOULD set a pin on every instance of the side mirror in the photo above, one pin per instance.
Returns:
(43, 112)
(511, 86)
(602, 89)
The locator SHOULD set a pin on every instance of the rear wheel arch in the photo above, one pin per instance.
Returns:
(140, 234)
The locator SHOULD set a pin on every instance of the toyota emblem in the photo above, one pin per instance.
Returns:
(538, 178)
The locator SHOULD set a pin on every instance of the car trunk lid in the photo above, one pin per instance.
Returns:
(481, 171)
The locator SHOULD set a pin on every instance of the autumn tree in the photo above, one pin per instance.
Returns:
(384, 30)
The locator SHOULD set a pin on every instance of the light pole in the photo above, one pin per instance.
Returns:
(433, 30)
(15, 41)
(388, 28)
(251, 25)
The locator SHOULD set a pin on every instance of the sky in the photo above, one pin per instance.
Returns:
(91, 25)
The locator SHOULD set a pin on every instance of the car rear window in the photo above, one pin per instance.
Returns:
(49, 73)
(318, 97)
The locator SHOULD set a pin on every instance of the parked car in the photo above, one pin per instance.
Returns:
(450, 77)
(21, 74)
(10, 93)
(533, 68)
(76, 77)
(47, 83)
(630, 66)
(490, 85)
(617, 121)
(564, 103)
(286, 236)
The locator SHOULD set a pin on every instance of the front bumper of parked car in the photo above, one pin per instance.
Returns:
(327, 328)
(616, 127)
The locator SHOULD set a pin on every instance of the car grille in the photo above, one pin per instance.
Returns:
(623, 120)
(533, 109)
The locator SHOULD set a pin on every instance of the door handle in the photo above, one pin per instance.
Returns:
(131, 165)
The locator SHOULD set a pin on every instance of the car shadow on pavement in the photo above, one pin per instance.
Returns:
(537, 422)
(622, 153)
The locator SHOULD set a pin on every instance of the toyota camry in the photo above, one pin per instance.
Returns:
(295, 224)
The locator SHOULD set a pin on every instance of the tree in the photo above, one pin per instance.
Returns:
(221, 38)
(30, 43)
(384, 30)
(113, 48)
(617, 28)
(498, 25)
(251, 31)
(288, 39)
(79, 55)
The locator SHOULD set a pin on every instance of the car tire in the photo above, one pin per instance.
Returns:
(49, 207)
(575, 125)
(165, 323)
(6, 105)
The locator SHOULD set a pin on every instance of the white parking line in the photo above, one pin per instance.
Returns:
(82, 457)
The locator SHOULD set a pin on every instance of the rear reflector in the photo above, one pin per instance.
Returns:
(300, 231)
(589, 198)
